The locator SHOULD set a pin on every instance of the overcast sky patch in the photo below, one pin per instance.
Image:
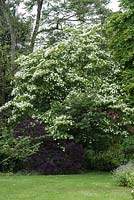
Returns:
(114, 5)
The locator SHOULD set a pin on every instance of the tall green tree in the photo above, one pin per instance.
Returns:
(13, 41)
(121, 31)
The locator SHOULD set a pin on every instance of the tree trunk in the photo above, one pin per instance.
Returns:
(10, 21)
(2, 85)
(37, 24)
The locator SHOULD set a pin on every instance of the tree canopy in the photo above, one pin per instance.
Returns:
(121, 31)
(59, 82)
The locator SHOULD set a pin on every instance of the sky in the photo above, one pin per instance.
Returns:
(114, 5)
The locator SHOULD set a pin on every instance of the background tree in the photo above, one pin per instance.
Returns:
(13, 41)
(52, 17)
(121, 31)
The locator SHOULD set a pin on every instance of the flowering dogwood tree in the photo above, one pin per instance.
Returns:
(72, 86)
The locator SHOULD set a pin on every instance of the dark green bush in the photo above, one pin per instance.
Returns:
(128, 148)
(103, 161)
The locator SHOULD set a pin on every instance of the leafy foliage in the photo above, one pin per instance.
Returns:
(128, 148)
(14, 150)
(30, 127)
(56, 157)
(57, 15)
(73, 87)
(103, 160)
(52, 157)
(124, 175)
(14, 36)
(127, 4)
(121, 30)
(121, 37)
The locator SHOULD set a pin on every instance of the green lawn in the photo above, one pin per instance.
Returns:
(92, 186)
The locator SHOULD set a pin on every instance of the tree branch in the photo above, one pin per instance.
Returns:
(37, 24)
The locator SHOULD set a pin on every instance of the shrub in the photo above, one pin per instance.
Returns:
(103, 161)
(20, 143)
(30, 127)
(124, 175)
(14, 151)
(128, 148)
(132, 194)
(53, 156)
(56, 157)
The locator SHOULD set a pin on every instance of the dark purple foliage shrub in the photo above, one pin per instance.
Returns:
(30, 127)
(56, 157)
(53, 157)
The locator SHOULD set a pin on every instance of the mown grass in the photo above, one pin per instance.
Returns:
(92, 186)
